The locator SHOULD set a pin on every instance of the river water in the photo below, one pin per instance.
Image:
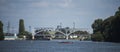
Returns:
(58, 46)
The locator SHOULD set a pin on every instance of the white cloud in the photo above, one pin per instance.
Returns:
(65, 3)
(40, 4)
(61, 3)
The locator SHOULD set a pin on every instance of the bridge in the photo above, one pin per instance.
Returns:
(68, 32)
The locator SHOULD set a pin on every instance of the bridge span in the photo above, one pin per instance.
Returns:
(63, 32)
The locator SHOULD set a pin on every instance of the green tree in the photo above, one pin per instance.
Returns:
(62, 30)
(97, 37)
(27, 34)
(97, 25)
(1, 31)
(115, 35)
(80, 32)
(21, 29)
(109, 28)
(97, 30)
(21, 26)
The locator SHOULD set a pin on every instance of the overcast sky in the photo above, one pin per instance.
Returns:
(50, 13)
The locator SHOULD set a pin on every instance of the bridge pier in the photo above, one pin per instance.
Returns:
(67, 37)
(33, 37)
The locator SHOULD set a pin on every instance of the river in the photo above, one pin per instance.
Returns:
(58, 46)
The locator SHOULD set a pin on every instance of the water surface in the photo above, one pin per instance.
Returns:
(57, 46)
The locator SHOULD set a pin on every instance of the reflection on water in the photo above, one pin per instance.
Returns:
(56, 46)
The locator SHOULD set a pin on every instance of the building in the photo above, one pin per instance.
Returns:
(10, 36)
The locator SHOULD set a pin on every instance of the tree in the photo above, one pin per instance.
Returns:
(21, 28)
(80, 32)
(97, 30)
(116, 27)
(97, 37)
(109, 28)
(1, 31)
(63, 30)
(97, 25)
(27, 34)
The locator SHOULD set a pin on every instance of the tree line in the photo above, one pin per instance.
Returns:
(107, 29)
(22, 31)
(1, 31)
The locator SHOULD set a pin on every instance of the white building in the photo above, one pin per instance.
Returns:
(10, 37)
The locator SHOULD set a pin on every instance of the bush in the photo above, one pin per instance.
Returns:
(25, 33)
(97, 37)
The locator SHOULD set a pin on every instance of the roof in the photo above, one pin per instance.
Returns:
(9, 34)
(59, 35)
(10, 37)
(42, 35)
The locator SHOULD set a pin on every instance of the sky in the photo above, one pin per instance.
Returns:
(50, 13)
